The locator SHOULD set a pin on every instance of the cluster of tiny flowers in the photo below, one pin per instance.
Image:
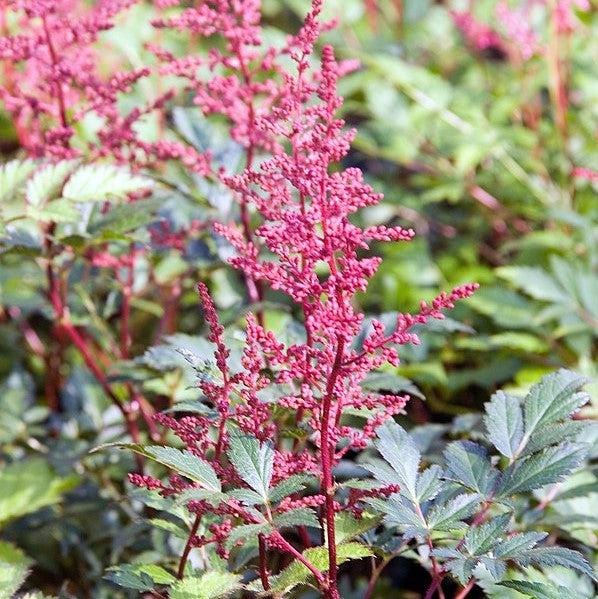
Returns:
(305, 246)
(477, 34)
(54, 76)
(517, 28)
(517, 37)
(51, 72)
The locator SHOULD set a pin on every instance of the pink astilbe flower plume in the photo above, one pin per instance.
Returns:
(57, 73)
(305, 246)
(53, 78)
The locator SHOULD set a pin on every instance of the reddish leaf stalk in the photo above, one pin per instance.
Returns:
(465, 590)
(263, 562)
(284, 544)
(188, 547)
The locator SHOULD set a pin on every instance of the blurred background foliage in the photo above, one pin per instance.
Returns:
(472, 147)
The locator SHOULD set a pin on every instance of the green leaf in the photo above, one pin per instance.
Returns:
(29, 485)
(246, 531)
(200, 494)
(157, 573)
(47, 182)
(469, 465)
(247, 496)
(298, 517)
(124, 218)
(399, 512)
(480, 539)
(102, 182)
(253, 462)
(429, 483)
(553, 399)
(170, 527)
(555, 556)
(347, 526)
(538, 470)
(14, 565)
(209, 586)
(182, 462)
(449, 516)
(555, 433)
(59, 211)
(535, 282)
(538, 590)
(297, 573)
(578, 491)
(462, 568)
(288, 486)
(393, 383)
(510, 547)
(130, 577)
(13, 175)
(504, 423)
(399, 450)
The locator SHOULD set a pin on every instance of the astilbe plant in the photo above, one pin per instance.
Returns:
(306, 247)
(53, 78)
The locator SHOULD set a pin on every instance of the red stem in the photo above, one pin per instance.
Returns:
(290, 549)
(327, 488)
(188, 546)
(466, 589)
(125, 317)
(54, 57)
(263, 562)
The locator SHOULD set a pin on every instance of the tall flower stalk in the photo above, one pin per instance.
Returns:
(305, 246)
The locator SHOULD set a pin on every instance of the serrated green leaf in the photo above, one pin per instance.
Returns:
(462, 568)
(520, 542)
(538, 590)
(555, 556)
(209, 586)
(541, 469)
(481, 539)
(253, 461)
(495, 567)
(13, 175)
(504, 423)
(59, 211)
(429, 483)
(348, 527)
(124, 218)
(200, 494)
(183, 462)
(399, 512)
(552, 434)
(399, 450)
(298, 517)
(553, 399)
(170, 527)
(288, 486)
(393, 383)
(46, 183)
(14, 565)
(139, 576)
(449, 516)
(469, 465)
(246, 531)
(247, 496)
(578, 491)
(101, 182)
(128, 577)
